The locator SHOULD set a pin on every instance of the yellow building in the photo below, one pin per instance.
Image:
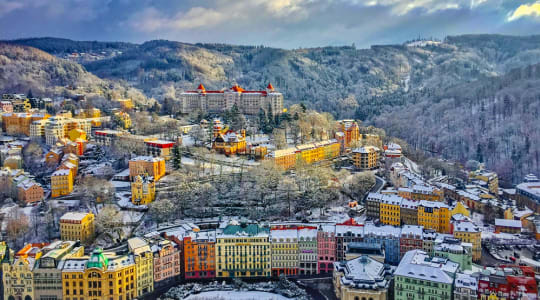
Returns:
(489, 179)
(100, 276)
(389, 211)
(126, 104)
(509, 214)
(227, 141)
(434, 215)
(147, 166)
(243, 250)
(18, 277)
(460, 208)
(143, 190)
(61, 183)
(76, 134)
(365, 157)
(77, 226)
(89, 113)
(284, 251)
(123, 119)
(467, 232)
(144, 265)
(308, 153)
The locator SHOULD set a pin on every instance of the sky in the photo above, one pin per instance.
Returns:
(275, 23)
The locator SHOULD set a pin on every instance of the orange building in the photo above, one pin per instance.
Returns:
(29, 191)
(19, 123)
(77, 147)
(351, 133)
(147, 166)
(53, 157)
(199, 255)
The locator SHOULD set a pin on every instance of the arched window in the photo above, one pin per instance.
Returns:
(356, 298)
(11, 298)
(27, 298)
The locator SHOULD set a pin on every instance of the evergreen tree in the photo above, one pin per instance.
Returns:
(177, 157)
(262, 120)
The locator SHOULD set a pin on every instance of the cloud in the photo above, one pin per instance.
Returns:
(152, 19)
(77, 10)
(525, 10)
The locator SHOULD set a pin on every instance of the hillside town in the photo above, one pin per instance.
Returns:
(125, 201)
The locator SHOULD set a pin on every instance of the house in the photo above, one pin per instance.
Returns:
(77, 226)
(361, 278)
(507, 226)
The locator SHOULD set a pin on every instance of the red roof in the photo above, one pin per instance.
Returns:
(237, 88)
(270, 87)
(350, 222)
(201, 87)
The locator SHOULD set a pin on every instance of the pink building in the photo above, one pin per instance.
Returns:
(167, 265)
(326, 248)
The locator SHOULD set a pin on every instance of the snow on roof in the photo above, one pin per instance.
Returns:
(522, 213)
(73, 265)
(307, 232)
(363, 272)
(205, 235)
(28, 183)
(147, 158)
(73, 216)
(342, 229)
(508, 223)
(391, 199)
(384, 230)
(434, 204)
(423, 189)
(411, 204)
(365, 150)
(466, 281)
(138, 245)
(419, 265)
(284, 233)
(466, 226)
(412, 230)
(61, 173)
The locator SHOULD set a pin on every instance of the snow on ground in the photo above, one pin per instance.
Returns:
(501, 236)
(187, 141)
(120, 184)
(125, 201)
(129, 217)
(236, 295)
(478, 219)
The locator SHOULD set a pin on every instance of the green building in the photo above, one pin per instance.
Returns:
(454, 250)
(420, 276)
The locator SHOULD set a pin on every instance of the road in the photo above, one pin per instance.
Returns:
(379, 184)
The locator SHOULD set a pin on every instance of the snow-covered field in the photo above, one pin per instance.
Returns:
(235, 295)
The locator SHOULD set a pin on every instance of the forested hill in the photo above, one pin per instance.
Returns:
(377, 78)
(494, 120)
(430, 93)
(24, 68)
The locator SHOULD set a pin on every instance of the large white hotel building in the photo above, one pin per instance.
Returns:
(248, 102)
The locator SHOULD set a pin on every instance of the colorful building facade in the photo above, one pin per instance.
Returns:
(77, 226)
(243, 250)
